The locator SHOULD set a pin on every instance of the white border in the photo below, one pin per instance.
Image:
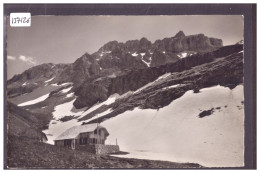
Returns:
(118, 1)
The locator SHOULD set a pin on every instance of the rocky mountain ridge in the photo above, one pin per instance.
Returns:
(114, 57)
(132, 80)
(161, 92)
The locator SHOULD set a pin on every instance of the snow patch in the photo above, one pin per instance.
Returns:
(63, 84)
(70, 95)
(104, 52)
(125, 94)
(173, 86)
(163, 76)
(49, 80)
(112, 76)
(109, 101)
(182, 55)
(25, 83)
(99, 115)
(66, 109)
(151, 83)
(147, 63)
(176, 133)
(134, 54)
(66, 90)
(37, 100)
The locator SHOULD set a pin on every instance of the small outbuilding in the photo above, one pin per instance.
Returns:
(90, 137)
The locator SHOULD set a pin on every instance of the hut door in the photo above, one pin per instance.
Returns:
(73, 144)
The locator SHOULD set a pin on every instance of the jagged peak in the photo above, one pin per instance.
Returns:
(111, 43)
(180, 34)
(144, 39)
(83, 58)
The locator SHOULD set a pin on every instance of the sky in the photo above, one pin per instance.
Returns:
(63, 39)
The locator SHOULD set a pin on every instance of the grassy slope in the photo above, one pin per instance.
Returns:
(37, 120)
(26, 153)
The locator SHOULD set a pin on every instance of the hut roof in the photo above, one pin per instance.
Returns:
(74, 131)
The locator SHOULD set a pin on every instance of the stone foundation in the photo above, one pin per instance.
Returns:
(99, 148)
(106, 149)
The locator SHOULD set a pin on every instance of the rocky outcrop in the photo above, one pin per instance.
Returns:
(19, 90)
(120, 60)
(38, 72)
(121, 55)
(80, 70)
(180, 42)
(89, 94)
(129, 46)
(33, 78)
(135, 79)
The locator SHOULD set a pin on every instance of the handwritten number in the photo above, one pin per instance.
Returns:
(20, 20)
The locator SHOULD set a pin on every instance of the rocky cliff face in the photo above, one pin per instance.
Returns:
(180, 42)
(33, 78)
(135, 79)
(161, 92)
(158, 53)
(80, 70)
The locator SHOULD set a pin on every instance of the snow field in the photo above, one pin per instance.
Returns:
(176, 133)
(34, 101)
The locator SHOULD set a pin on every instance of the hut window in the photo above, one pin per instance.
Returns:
(67, 142)
(83, 141)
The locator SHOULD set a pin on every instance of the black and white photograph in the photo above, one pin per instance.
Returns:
(125, 92)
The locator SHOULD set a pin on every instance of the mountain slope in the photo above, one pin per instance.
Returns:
(26, 124)
(162, 91)
(157, 94)
(132, 80)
